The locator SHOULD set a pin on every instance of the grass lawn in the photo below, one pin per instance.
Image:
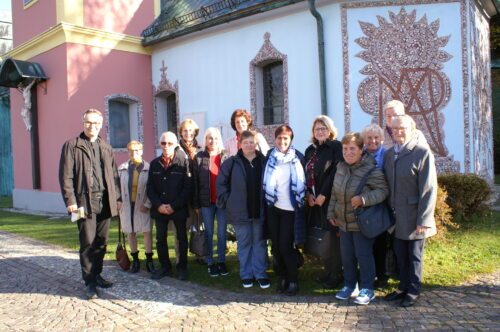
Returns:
(465, 253)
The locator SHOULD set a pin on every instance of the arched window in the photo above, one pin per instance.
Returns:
(124, 120)
(272, 93)
(269, 88)
(166, 112)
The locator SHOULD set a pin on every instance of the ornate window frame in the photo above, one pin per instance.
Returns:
(130, 100)
(267, 54)
(164, 85)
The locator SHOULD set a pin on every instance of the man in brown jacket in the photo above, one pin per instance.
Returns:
(91, 190)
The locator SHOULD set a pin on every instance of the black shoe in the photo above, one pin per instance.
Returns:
(333, 283)
(161, 273)
(136, 266)
(282, 286)
(213, 270)
(264, 283)
(103, 283)
(91, 292)
(394, 296)
(293, 289)
(183, 274)
(150, 266)
(409, 300)
(201, 261)
(223, 269)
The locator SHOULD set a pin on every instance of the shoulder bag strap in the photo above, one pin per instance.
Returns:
(362, 183)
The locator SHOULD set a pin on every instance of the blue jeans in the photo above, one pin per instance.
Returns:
(356, 249)
(208, 214)
(252, 249)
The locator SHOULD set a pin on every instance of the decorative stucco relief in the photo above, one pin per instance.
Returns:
(164, 86)
(481, 94)
(130, 100)
(267, 54)
(405, 57)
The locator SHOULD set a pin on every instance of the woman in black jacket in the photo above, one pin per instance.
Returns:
(206, 170)
(322, 157)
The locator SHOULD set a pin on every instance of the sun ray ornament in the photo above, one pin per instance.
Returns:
(404, 61)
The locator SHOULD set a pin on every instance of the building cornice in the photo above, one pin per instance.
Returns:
(65, 33)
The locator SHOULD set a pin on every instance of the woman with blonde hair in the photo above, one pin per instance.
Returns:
(322, 157)
(134, 212)
(188, 131)
(207, 167)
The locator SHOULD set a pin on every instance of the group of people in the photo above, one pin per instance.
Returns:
(266, 194)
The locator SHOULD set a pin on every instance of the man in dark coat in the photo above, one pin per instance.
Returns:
(169, 190)
(91, 191)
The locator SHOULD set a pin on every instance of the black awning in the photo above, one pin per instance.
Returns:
(15, 72)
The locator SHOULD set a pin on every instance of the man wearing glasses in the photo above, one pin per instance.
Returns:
(91, 191)
(411, 173)
(169, 189)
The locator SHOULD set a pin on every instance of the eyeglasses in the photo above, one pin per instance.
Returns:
(319, 129)
(89, 123)
(399, 128)
(167, 143)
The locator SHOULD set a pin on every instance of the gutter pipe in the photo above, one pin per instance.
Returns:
(321, 55)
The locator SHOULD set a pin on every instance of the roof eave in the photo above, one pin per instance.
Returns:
(163, 36)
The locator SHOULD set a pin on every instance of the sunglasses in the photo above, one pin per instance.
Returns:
(167, 143)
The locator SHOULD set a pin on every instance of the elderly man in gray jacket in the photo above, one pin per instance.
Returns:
(411, 174)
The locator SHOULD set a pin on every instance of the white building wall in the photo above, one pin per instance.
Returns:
(212, 67)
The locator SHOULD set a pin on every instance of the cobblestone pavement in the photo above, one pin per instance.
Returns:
(41, 290)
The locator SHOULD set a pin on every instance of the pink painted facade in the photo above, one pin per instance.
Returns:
(81, 76)
(31, 22)
(124, 16)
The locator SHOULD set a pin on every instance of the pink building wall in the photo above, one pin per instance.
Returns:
(31, 22)
(106, 73)
(80, 77)
(123, 16)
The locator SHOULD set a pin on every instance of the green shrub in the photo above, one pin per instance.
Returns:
(468, 195)
(443, 215)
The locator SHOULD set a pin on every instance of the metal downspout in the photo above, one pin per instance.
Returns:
(321, 55)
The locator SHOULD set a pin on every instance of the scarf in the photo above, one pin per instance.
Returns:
(297, 177)
(190, 149)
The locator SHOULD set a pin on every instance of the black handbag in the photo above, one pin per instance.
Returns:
(372, 220)
(318, 242)
(197, 240)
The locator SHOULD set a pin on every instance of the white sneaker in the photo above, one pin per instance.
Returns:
(365, 296)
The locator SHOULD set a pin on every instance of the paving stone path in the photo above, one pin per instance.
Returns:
(41, 290)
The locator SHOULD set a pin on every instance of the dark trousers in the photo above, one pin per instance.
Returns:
(380, 247)
(409, 256)
(161, 242)
(281, 228)
(356, 249)
(93, 235)
(333, 263)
